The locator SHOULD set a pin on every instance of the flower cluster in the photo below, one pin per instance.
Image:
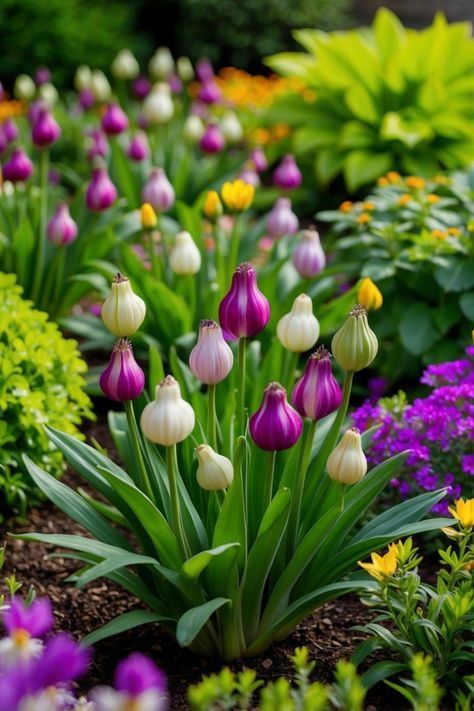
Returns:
(437, 429)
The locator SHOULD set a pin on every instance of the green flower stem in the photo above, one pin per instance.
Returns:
(289, 366)
(164, 252)
(268, 490)
(144, 483)
(342, 491)
(176, 522)
(234, 246)
(306, 447)
(54, 284)
(211, 417)
(241, 388)
(40, 254)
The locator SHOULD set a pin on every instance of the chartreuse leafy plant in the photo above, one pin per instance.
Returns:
(41, 382)
(385, 98)
(230, 555)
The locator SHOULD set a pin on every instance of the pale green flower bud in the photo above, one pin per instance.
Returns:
(355, 345)
(185, 257)
(168, 419)
(123, 311)
(347, 463)
(298, 330)
(214, 472)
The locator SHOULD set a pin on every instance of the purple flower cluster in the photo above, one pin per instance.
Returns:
(437, 429)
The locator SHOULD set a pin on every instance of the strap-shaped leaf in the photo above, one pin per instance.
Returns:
(193, 567)
(122, 560)
(127, 621)
(380, 671)
(191, 623)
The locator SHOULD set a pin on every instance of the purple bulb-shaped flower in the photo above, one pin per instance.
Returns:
(317, 392)
(123, 379)
(309, 258)
(141, 87)
(86, 99)
(158, 191)
(204, 70)
(209, 93)
(19, 168)
(10, 129)
(34, 111)
(138, 149)
(287, 175)
(212, 140)
(281, 220)
(175, 84)
(97, 145)
(244, 311)
(249, 175)
(114, 121)
(61, 228)
(275, 425)
(259, 160)
(101, 192)
(211, 359)
(45, 130)
(136, 674)
(42, 76)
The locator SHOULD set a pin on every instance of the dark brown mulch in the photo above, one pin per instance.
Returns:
(326, 633)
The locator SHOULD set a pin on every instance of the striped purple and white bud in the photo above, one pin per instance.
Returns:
(123, 379)
(309, 258)
(317, 392)
(244, 311)
(211, 359)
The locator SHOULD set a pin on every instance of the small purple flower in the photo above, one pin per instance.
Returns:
(287, 175)
(204, 70)
(308, 258)
(175, 84)
(3, 140)
(158, 191)
(259, 160)
(377, 386)
(139, 149)
(275, 425)
(317, 392)
(61, 228)
(63, 660)
(141, 87)
(34, 111)
(19, 168)
(36, 619)
(139, 685)
(249, 175)
(97, 145)
(10, 129)
(101, 192)
(114, 121)
(123, 379)
(244, 311)
(281, 220)
(209, 93)
(212, 140)
(42, 76)
(468, 464)
(211, 359)
(45, 130)
(86, 99)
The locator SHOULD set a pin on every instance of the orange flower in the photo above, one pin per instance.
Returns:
(346, 206)
(415, 182)
(368, 205)
(454, 231)
(404, 199)
(363, 218)
(393, 176)
(383, 182)
(439, 234)
(432, 198)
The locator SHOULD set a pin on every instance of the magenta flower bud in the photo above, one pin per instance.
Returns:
(259, 160)
(34, 111)
(204, 70)
(101, 192)
(158, 191)
(244, 311)
(250, 176)
(317, 392)
(212, 140)
(46, 129)
(275, 425)
(123, 379)
(175, 84)
(86, 99)
(281, 220)
(114, 121)
(61, 228)
(287, 175)
(309, 258)
(19, 168)
(211, 359)
(209, 93)
(10, 129)
(3, 140)
(42, 76)
(141, 88)
(138, 149)
(96, 143)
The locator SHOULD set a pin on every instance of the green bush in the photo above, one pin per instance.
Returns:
(40, 383)
(386, 98)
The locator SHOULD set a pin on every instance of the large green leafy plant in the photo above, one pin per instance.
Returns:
(385, 98)
(41, 383)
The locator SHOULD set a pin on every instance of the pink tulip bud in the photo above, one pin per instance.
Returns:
(45, 130)
(211, 359)
(158, 191)
(97, 146)
(209, 93)
(19, 168)
(114, 121)
(212, 140)
(138, 149)
(309, 258)
(287, 175)
(86, 99)
(244, 311)
(10, 129)
(259, 160)
(61, 228)
(317, 392)
(123, 379)
(141, 88)
(101, 192)
(281, 220)
(175, 84)
(42, 76)
(204, 70)
(275, 425)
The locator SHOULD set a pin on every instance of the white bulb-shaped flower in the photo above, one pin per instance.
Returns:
(49, 94)
(298, 330)
(185, 69)
(82, 77)
(193, 128)
(215, 472)
(231, 128)
(125, 65)
(185, 257)
(123, 311)
(24, 87)
(347, 463)
(158, 106)
(99, 85)
(168, 419)
(161, 65)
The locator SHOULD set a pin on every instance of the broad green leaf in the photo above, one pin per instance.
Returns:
(127, 621)
(328, 164)
(389, 33)
(459, 276)
(193, 567)
(417, 330)
(362, 167)
(191, 623)
(466, 303)
(122, 560)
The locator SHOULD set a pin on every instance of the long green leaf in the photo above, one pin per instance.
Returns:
(122, 560)
(193, 567)
(127, 621)
(191, 623)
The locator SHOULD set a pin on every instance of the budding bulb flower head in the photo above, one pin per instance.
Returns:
(369, 295)
(185, 257)
(99, 85)
(275, 425)
(259, 160)
(123, 311)
(123, 379)
(101, 192)
(355, 345)
(231, 127)
(168, 419)
(45, 130)
(244, 311)
(61, 228)
(125, 65)
(209, 93)
(317, 392)
(298, 330)
(211, 359)
(309, 258)
(287, 175)
(114, 121)
(82, 77)
(138, 149)
(281, 219)
(237, 195)
(19, 168)
(10, 130)
(212, 207)
(212, 140)
(193, 128)
(185, 69)
(48, 94)
(158, 191)
(347, 463)
(214, 472)
(24, 87)
(148, 216)
(158, 107)
(161, 65)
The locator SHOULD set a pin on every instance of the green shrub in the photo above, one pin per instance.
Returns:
(40, 383)
(386, 98)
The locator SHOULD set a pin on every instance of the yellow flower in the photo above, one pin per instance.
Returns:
(212, 207)
(383, 182)
(367, 205)
(455, 231)
(439, 234)
(393, 176)
(441, 180)
(147, 216)
(432, 198)
(369, 295)
(404, 199)
(238, 195)
(470, 226)
(363, 218)
(346, 206)
(464, 512)
(382, 565)
(414, 181)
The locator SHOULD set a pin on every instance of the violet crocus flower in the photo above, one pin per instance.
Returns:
(209, 93)
(123, 379)
(317, 392)
(141, 87)
(308, 258)
(25, 626)
(101, 192)
(18, 168)
(259, 160)
(139, 684)
(244, 311)
(275, 425)
(212, 140)
(96, 143)
(61, 228)
(45, 130)
(211, 359)
(287, 175)
(204, 70)
(139, 149)
(86, 99)
(114, 121)
(281, 219)
(158, 191)
(10, 129)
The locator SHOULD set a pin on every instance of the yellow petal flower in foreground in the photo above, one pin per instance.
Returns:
(238, 195)
(369, 295)
(147, 216)
(464, 512)
(382, 565)
(212, 207)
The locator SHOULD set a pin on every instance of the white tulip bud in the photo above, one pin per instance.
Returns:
(99, 85)
(123, 311)
(185, 257)
(168, 419)
(185, 69)
(193, 128)
(347, 463)
(125, 65)
(49, 94)
(214, 472)
(83, 77)
(231, 128)
(298, 330)
(158, 106)
(161, 65)
(24, 87)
